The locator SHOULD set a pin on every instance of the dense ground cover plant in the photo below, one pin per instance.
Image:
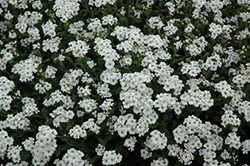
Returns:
(97, 82)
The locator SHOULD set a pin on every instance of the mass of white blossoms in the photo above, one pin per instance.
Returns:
(94, 82)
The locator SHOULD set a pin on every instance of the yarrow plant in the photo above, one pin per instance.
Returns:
(112, 82)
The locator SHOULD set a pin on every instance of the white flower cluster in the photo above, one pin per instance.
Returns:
(20, 120)
(155, 22)
(193, 68)
(135, 92)
(189, 28)
(28, 19)
(14, 153)
(243, 77)
(91, 125)
(61, 115)
(111, 158)
(8, 54)
(43, 86)
(57, 97)
(244, 107)
(104, 48)
(70, 80)
(119, 32)
(77, 132)
(95, 26)
(65, 9)
(49, 29)
(197, 98)
(171, 7)
(73, 157)
(30, 106)
(110, 76)
(91, 64)
(107, 104)
(103, 90)
(88, 104)
(100, 149)
(99, 3)
(243, 34)
(79, 48)
(196, 135)
(130, 143)
(160, 161)
(165, 101)
(156, 141)
(51, 44)
(17, 121)
(44, 146)
(212, 63)
(76, 27)
(6, 86)
(170, 29)
(50, 72)
(83, 91)
(26, 68)
(246, 146)
(5, 142)
(37, 4)
(229, 117)
(34, 35)
(154, 41)
(233, 140)
(215, 30)
(171, 82)
(109, 19)
(126, 60)
(233, 57)
(224, 88)
(145, 153)
(198, 45)
(125, 124)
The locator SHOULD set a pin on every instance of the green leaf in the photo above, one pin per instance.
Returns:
(25, 156)
(242, 131)
(71, 123)
(167, 116)
(46, 60)
(45, 112)
(60, 127)
(177, 55)
(60, 149)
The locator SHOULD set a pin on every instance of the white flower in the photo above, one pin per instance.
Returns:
(233, 140)
(65, 9)
(111, 158)
(170, 29)
(155, 22)
(100, 149)
(79, 48)
(27, 67)
(49, 29)
(145, 153)
(130, 143)
(109, 19)
(159, 162)
(77, 132)
(215, 30)
(157, 140)
(51, 44)
(88, 104)
(14, 153)
(50, 72)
